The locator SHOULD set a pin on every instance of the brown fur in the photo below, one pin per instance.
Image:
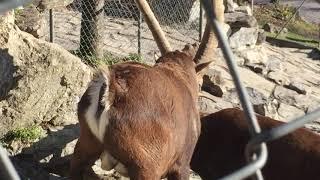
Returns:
(224, 135)
(152, 117)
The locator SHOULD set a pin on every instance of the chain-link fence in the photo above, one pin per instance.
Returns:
(122, 23)
(103, 27)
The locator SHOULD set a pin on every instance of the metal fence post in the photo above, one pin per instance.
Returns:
(319, 36)
(139, 32)
(7, 171)
(200, 21)
(51, 25)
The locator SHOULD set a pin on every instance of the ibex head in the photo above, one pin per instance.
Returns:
(202, 54)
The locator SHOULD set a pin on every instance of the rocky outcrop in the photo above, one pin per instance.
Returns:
(40, 82)
(32, 21)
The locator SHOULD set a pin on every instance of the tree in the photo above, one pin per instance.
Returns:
(92, 16)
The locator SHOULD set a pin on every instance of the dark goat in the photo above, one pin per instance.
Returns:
(224, 135)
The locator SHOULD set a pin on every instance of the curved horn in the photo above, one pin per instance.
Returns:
(209, 40)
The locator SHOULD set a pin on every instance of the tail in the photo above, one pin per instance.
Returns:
(98, 92)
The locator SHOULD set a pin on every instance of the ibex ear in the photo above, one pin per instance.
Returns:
(202, 66)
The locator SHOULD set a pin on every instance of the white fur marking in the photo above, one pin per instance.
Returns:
(98, 127)
(108, 162)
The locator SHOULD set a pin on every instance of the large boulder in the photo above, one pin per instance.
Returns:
(243, 38)
(39, 81)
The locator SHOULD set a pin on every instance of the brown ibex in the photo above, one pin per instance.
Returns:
(143, 121)
(224, 135)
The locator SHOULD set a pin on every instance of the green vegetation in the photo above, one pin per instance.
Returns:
(298, 30)
(17, 12)
(108, 59)
(23, 134)
(295, 38)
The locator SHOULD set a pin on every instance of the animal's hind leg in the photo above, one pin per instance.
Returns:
(87, 150)
(182, 173)
(143, 174)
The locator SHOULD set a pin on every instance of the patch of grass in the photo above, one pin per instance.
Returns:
(17, 12)
(283, 12)
(278, 16)
(108, 59)
(304, 28)
(23, 134)
(295, 38)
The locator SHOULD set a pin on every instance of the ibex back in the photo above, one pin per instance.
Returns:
(143, 119)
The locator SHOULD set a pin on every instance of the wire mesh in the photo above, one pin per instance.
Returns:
(112, 27)
(101, 27)
(258, 139)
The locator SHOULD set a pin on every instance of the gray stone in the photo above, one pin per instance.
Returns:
(44, 81)
(271, 109)
(257, 99)
(297, 86)
(51, 4)
(229, 6)
(215, 76)
(32, 21)
(269, 27)
(211, 87)
(287, 112)
(244, 9)
(255, 55)
(194, 13)
(284, 95)
(243, 38)
(259, 69)
(261, 37)
(237, 20)
(274, 29)
(210, 104)
(226, 28)
(306, 102)
(274, 64)
(278, 77)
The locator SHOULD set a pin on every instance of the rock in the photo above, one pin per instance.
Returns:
(269, 27)
(271, 108)
(229, 6)
(226, 28)
(257, 99)
(274, 64)
(210, 104)
(306, 102)
(244, 9)
(243, 38)
(274, 29)
(215, 76)
(43, 81)
(313, 107)
(297, 86)
(32, 21)
(210, 87)
(278, 77)
(256, 68)
(7, 18)
(237, 20)
(284, 95)
(51, 4)
(253, 56)
(261, 37)
(194, 13)
(287, 112)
